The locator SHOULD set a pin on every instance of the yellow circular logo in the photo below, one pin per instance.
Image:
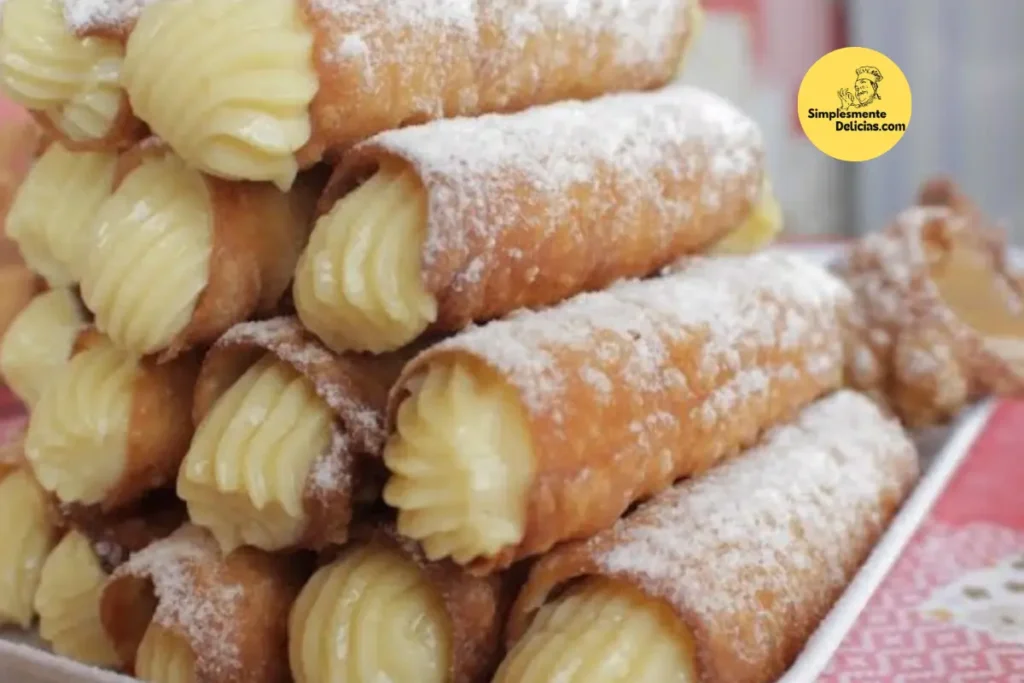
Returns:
(854, 104)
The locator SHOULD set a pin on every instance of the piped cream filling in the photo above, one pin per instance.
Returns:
(150, 257)
(78, 433)
(370, 616)
(603, 632)
(28, 537)
(38, 343)
(359, 284)
(68, 603)
(461, 464)
(259, 53)
(163, 657)
(245, 474)
(51, 216)
(74, 81)
(758, 231)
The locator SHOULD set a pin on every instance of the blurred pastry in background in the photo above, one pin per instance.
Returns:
(182, 612)
(417, 621)
(30, 531)
(112, 427)
(943, 308)
(293, 476)
(51, 218)
(178, 257)
(488, 215)
(61, 60)
(339, 72)
(38, 343)
(723, 578)
(546, 426)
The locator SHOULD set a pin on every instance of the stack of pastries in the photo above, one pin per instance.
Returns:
(432, 341)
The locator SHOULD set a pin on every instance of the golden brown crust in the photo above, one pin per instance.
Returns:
(679, 395)
(232, 611)
(356, 388)
(415, 72)
(483, 258)
(258, 234)
(928, 362)
(118, 535)
(752, 575)
(477, 607)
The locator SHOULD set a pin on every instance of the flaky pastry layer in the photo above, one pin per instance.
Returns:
(51, 216)
(163, 657)
(68, 603)
(77, 436)
(259, 56)
(38, 343)
(246, 471)
(371, 615)
(73, 82)
(150, 260)
(29, 536)
(603, 631)
(359, 284)
(461, 463)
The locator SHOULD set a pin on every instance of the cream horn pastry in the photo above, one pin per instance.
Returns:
(112, 427)
(61, 60)
(288, 437)
(548, 425)
(18, 286)
(30, 532)
(68, 597)
(182, 612)
(51, 218)
(381, 612)
(456, 221)
(21, 142)
(257, 90)
(39, 341)
(179, 257)
(944, 312)
(723, 578)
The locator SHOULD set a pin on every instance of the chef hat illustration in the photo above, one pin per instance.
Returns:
(869, 72)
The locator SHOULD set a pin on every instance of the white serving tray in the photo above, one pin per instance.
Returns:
(23, 660)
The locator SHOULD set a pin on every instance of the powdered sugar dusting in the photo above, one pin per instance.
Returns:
(205, 614)
(87, 15)
(806, 502)
(584, 162)
(723, 305)
(332, 472)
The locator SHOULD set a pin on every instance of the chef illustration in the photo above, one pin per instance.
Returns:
(865, 89)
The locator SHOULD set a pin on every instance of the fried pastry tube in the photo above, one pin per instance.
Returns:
(548, 425)
(39, 341)
(943, 311)
(288, 437)
(179, 257)
(30, 532)
(466, 220)
(181, 612)
(112, 427)
(382, 612)
(51, 218)
(61, 60)
(68, 598)
(257, 90)
(723, 578)
(18, 286)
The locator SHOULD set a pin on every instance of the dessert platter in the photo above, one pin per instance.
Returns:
(444, 342)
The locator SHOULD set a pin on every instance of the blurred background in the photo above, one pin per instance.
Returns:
(965, 63)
